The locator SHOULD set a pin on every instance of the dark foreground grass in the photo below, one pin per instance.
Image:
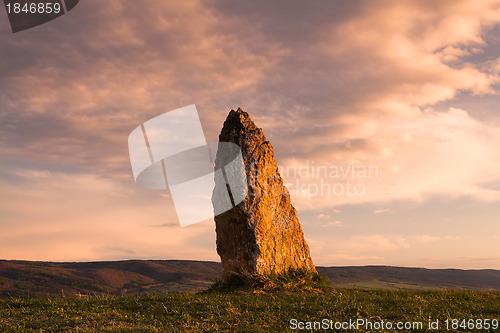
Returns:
(243, 312)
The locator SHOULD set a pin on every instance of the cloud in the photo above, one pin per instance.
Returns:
(117, 64)
(375, 242)
(363, 79)
(335, 82)
(84, 217)
(337, 224)
(387, 249)
(444, 154)
(382, 77)
(390, 242)
(381, 210)
(427, 239)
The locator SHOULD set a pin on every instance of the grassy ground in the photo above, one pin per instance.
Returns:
(244, 312)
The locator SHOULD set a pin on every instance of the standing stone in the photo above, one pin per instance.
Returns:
(261, 234)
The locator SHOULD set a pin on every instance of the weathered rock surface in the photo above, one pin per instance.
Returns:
(262, 234)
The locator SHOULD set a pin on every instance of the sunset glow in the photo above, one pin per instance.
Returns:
(398, 98)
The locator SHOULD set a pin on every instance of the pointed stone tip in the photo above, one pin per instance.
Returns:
(238, 110)
(236, 123)
(239, 113)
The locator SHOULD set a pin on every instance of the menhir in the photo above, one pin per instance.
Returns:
(262, 233)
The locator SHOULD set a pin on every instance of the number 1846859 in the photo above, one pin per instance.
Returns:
(34, 8)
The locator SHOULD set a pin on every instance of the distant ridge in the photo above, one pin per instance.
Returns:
(388, 277)
(136, 277)
(130, 277)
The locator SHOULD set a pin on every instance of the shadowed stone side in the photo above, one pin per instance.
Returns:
(262, 234)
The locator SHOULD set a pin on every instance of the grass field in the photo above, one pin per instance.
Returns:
(247, 312)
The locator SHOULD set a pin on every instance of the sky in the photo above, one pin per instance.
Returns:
(383, 117)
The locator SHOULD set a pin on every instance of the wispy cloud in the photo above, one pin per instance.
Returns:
(381, 210)
(332, 224)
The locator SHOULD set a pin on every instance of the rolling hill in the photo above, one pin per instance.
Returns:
(139, 277)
